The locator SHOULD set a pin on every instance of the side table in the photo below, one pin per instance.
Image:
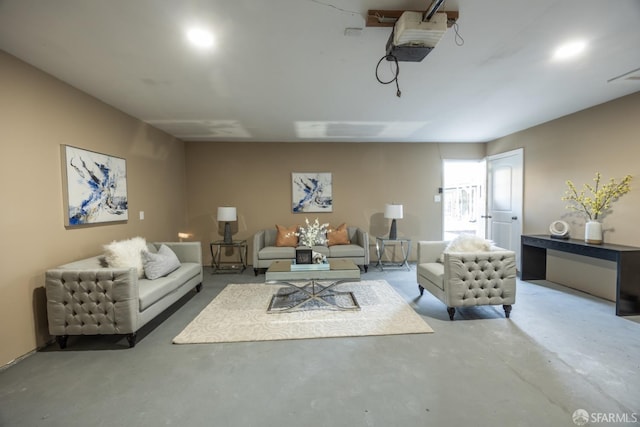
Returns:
(405, 247)
(219, 266)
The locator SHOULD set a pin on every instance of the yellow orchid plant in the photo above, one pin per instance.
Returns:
(595, 200)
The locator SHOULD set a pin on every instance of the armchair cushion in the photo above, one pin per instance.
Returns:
(434, 272)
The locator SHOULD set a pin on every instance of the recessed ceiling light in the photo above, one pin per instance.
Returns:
(570, 50)
(200, 38)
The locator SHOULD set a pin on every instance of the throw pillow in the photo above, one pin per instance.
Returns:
(287, 236)
(468, 243)
(161, 263)
(338, 236)
(126, 254)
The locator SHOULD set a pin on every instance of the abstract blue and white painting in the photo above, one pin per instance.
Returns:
(96, 187)
(311, 192)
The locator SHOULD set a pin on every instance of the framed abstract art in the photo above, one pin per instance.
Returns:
(311, 192)
(94, 187)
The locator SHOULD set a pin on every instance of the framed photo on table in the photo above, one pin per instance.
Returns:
(304, 256)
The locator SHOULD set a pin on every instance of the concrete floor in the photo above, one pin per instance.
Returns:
(562, 350)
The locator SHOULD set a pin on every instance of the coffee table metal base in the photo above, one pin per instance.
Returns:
(311, 294)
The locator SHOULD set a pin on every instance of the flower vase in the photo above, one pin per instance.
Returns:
(593, 232)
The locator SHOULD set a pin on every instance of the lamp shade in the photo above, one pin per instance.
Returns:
(393, 211)
(227, 213)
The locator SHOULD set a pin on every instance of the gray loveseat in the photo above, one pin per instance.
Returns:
(265, 250)
(86, 298)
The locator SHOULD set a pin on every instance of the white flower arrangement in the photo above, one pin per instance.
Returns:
(313, 234)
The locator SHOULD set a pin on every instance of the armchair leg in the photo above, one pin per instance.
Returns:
(198, 287)
(366, 268)
(62, 341)
(507, 310)
(255, 271)
(451, 311)
(421, 290)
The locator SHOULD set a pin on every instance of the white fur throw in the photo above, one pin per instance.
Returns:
(468, 243)
(126, 254)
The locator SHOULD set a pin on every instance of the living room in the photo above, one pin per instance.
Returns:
(179, 184)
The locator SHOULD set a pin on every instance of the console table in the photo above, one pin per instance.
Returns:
(627, 259)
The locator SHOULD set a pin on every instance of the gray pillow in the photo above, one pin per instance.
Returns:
(159, 264)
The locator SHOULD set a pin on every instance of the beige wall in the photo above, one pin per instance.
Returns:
(256, 178)
(37, 114)
(604, 139)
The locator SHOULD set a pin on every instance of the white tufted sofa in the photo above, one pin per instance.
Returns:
(86, 298)
(467, 279)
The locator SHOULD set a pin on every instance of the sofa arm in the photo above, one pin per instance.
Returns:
(185, 251)
(90, 302)
(430, 251)
(258, 244)
(363, 240)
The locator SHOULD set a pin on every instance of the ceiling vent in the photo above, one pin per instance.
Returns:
(412, 38)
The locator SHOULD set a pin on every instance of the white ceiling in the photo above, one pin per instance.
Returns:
(284, 70)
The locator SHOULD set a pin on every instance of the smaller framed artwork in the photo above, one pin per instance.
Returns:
(94, 187)
(304, 256)
(311, 192)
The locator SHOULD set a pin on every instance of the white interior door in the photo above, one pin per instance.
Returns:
(504, 200)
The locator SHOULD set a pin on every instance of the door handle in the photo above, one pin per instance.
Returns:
(515, 218)
(486, 216)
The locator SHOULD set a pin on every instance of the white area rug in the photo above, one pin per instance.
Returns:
(239, 313)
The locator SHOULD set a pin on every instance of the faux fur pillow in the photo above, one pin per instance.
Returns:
(468, 243)
(126, 254)
(159, 264)
(338, 236)
(287, 236)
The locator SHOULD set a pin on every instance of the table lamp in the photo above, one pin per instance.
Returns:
(227, 214)
(393, 212)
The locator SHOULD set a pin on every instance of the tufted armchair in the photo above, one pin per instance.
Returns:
(466, 279)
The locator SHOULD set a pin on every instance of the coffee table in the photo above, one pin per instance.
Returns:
(312, 289)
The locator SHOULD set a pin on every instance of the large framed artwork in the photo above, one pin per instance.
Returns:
(95, 187)
(311, 192)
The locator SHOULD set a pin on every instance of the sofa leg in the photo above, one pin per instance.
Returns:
(451, 311)
(421, 290)
(507, 310)
(255, 271)
(366, 268)
(62, 341)
(198, 287)
(131, 338)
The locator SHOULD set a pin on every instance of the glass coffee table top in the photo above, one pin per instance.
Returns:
(312, 289)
